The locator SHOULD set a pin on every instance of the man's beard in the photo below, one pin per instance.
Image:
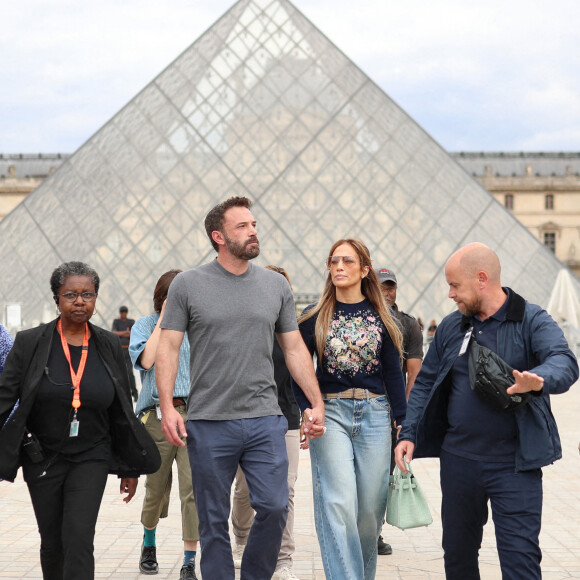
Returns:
(243, 251)
(470, 309)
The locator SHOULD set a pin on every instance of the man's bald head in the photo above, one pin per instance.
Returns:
(473, 275)
(477, 257)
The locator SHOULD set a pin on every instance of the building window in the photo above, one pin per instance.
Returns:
(509, 201)
(550, 241)
(549, 201)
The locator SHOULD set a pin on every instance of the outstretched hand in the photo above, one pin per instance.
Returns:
(525, 382)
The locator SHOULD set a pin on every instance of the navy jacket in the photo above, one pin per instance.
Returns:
(528, 339)
(133, 450)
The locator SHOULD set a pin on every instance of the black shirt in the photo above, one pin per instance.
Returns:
(122, 325)
(52, 413)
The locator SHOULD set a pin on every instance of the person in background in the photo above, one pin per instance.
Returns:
(487, 454)
(6, 342)
(431, 329)
(122, 328)
(75, 423)
(358, 351)
(143, 350)
(412, 335)
(242, 512)
(412, 354)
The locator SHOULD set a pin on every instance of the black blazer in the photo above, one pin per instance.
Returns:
(133, 450)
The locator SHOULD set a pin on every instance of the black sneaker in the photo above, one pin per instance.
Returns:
(148, 561)
(187, 573)
(383, 548)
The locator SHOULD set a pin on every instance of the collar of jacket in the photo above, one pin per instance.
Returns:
(96, 331)
(516, 307)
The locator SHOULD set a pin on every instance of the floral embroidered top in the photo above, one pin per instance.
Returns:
(359, 353)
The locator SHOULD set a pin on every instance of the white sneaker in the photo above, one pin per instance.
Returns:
(284, 573)
(237, 553)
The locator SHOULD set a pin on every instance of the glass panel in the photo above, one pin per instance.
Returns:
(261, 104)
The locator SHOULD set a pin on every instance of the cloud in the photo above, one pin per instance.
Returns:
(486, 75)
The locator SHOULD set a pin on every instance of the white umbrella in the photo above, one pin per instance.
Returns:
(564, 307)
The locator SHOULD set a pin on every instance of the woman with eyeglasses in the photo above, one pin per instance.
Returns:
(357, 346)
(74, 424)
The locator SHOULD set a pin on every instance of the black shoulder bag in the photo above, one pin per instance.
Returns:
(490, 376)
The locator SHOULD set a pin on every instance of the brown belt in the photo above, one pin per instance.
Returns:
(352, 394)
(178, 401)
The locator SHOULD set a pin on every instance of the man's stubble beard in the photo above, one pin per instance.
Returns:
(242, 251)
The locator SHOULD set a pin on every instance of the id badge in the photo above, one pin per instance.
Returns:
(158, 411)
(74, 428)
(465, 344)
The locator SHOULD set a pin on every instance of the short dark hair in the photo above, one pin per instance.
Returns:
(214, 220)
(68, 269)
(162, 287)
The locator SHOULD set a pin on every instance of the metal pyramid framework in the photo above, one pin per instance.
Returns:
(263, 105)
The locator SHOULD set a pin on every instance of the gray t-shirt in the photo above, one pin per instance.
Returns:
(230, 322)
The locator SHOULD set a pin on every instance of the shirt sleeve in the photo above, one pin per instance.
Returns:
(140, 334)
(393, 378)
(6, 342)
(176, 314)
(287, 319)
(557, 365)
(413, 339)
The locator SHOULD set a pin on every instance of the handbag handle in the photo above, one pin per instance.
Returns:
(406, 480)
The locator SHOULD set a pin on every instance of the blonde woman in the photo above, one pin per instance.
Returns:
(358, 348)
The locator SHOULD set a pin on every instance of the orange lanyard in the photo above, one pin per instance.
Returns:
(76, 377)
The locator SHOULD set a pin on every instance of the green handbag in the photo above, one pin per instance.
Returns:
(406, 504)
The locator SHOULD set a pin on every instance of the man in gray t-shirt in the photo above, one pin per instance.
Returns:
(232, 337)
(231, 310)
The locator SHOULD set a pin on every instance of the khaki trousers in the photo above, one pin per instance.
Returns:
(158, 484)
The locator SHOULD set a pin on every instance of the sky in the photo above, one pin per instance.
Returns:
(499, 75)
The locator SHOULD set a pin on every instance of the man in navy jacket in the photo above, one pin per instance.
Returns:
(488, 454)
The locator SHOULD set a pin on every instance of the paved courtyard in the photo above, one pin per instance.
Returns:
(416, 553)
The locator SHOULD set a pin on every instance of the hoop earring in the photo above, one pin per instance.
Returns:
(57, 310)
(95, 311)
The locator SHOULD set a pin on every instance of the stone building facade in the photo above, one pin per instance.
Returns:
(21, 173)
(542, 190)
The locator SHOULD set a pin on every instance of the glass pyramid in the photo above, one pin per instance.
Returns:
(263, 105)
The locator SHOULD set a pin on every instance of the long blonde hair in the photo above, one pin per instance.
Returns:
(370, 288)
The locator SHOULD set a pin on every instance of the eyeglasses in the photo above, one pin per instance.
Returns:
(85, 296)
(346, 260)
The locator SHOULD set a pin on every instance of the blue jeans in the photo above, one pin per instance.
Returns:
(350, 477)
(516, 506)
(215, 450)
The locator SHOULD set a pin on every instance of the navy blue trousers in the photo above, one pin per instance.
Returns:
(516, 507)
(215, 450)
